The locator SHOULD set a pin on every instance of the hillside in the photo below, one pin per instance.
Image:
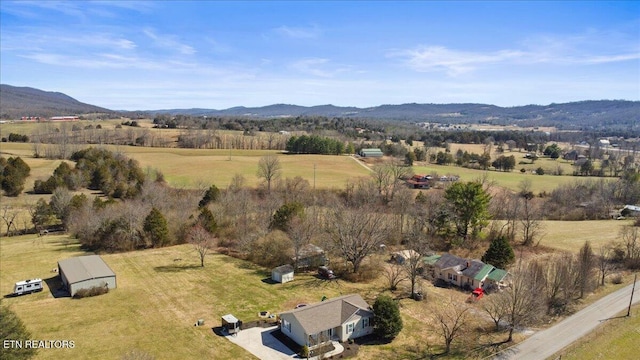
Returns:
(25, 101)
(582, 115)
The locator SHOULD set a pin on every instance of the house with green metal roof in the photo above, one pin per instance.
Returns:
(466, 273)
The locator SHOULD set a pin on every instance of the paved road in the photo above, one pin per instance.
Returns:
(544, 344)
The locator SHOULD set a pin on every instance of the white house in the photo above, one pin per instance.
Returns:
(340, 319)
(282, 274)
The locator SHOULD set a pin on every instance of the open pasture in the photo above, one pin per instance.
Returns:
(510, 180)
(571, 235)
(160, 294)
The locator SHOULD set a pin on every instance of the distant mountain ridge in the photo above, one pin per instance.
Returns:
(25, 101)
(591, 114)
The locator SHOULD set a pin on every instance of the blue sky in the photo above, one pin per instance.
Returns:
(128, 55)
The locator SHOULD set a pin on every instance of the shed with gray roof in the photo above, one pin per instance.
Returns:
(85, 272)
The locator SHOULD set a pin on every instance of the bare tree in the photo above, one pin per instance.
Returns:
(449, 320)
(269, 169)
(395, 274)
(418, 245)
(9, 216)
(496, 306)
(524, 305)
(631, 241)
(559, 281)
(356, 233)
(300, 231)
(201, 240)
(586, 265)
(530, 216)
(604, 263)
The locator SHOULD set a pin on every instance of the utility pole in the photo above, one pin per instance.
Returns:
(314, 177)
(633, 289)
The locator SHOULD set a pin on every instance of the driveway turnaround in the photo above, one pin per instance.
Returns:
(545, 343)
(262, 344)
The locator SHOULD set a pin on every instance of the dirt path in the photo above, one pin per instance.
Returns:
(545, 343)
(360, 163)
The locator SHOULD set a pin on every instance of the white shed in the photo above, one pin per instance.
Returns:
(282, 274)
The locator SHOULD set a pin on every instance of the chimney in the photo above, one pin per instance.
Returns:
(468, 264)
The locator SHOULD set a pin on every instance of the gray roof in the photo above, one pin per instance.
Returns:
(83, 268)
(469, 268)
(284, 269)
(330, 313)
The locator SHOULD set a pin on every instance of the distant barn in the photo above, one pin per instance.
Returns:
(85, 272)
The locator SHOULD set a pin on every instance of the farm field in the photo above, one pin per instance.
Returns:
(193, 167)
(510, 180)
(571, 235)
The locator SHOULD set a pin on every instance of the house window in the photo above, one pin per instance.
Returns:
(286, 325)
(365, 322)
(349, 328)
(450, 277)
(455, 277)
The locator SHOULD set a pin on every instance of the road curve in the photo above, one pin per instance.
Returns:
(544, 344)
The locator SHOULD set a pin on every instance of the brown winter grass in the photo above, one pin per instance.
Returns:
(571, 235)
(161, 293)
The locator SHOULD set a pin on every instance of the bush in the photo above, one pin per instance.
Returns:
(92, 291)
(387, 321)
(304, 352)
(616, 279)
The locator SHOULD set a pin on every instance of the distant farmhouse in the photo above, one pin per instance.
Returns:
(85, 272)
(340, 319)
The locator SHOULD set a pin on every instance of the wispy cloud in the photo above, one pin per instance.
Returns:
(298, 32)
(169, 42)
(319, 67)
(456, 62)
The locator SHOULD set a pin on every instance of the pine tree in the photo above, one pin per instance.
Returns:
(211, 195)
(12, 328)
(386, 318)
(155, 226)
(207, 220)
(500, 253)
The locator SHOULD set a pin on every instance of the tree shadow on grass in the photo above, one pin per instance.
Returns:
(176, 268)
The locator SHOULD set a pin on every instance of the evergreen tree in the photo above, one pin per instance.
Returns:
(211, 195)
(386, 318)
(207, 220)
(155, 226)
(500, 253)
(470, 203)
(12, 328)
(14, 174)
(284, 214)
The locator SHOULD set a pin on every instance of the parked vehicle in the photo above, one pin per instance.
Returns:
(326, 273)
(27, 287)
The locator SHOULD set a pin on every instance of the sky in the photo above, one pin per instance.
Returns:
(150, 55)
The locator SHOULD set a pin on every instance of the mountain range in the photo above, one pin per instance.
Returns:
(594, 114)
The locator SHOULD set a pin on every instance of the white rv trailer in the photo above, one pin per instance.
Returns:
(27, 287)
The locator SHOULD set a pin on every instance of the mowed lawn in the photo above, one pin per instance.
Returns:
(161, 293)
(571, 235)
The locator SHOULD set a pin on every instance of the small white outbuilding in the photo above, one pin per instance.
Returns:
(282, 274)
